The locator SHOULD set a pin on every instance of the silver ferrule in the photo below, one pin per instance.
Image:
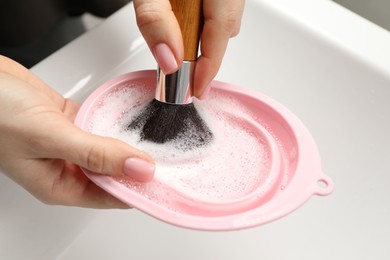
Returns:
(176, 88)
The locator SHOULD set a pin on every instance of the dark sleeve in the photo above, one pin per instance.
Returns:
(101, 8)
(23, 21)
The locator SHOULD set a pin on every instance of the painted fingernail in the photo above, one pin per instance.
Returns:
(165, 58)
(138, 169)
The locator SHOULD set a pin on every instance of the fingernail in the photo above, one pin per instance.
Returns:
(138, 169)
(165, 58)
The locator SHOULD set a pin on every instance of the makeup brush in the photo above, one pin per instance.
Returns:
(172, 115)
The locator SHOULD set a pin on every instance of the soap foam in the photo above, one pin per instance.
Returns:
(231, 166)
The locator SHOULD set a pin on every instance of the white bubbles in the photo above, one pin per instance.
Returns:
(234, 164)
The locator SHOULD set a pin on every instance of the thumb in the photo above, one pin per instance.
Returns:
(104, 155)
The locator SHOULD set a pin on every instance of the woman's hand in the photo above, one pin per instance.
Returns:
(158, 25)
(41, 148)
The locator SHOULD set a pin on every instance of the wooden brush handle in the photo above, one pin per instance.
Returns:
(189, 14)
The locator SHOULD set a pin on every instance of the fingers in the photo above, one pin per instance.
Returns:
(58, 138)
(70, 187)
(161, 31)
(103, 154)
(222, 21)
(159, 27)
(15, 69)
(40, 129)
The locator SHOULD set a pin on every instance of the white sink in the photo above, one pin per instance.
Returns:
(376, 11)
(327, 65)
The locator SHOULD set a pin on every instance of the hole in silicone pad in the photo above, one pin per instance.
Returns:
(239, 169)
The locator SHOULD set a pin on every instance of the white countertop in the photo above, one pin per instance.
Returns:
(326, 64)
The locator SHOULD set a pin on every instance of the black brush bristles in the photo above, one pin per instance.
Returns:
(163, 122)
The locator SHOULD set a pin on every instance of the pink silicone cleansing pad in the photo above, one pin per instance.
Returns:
(261, 165)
